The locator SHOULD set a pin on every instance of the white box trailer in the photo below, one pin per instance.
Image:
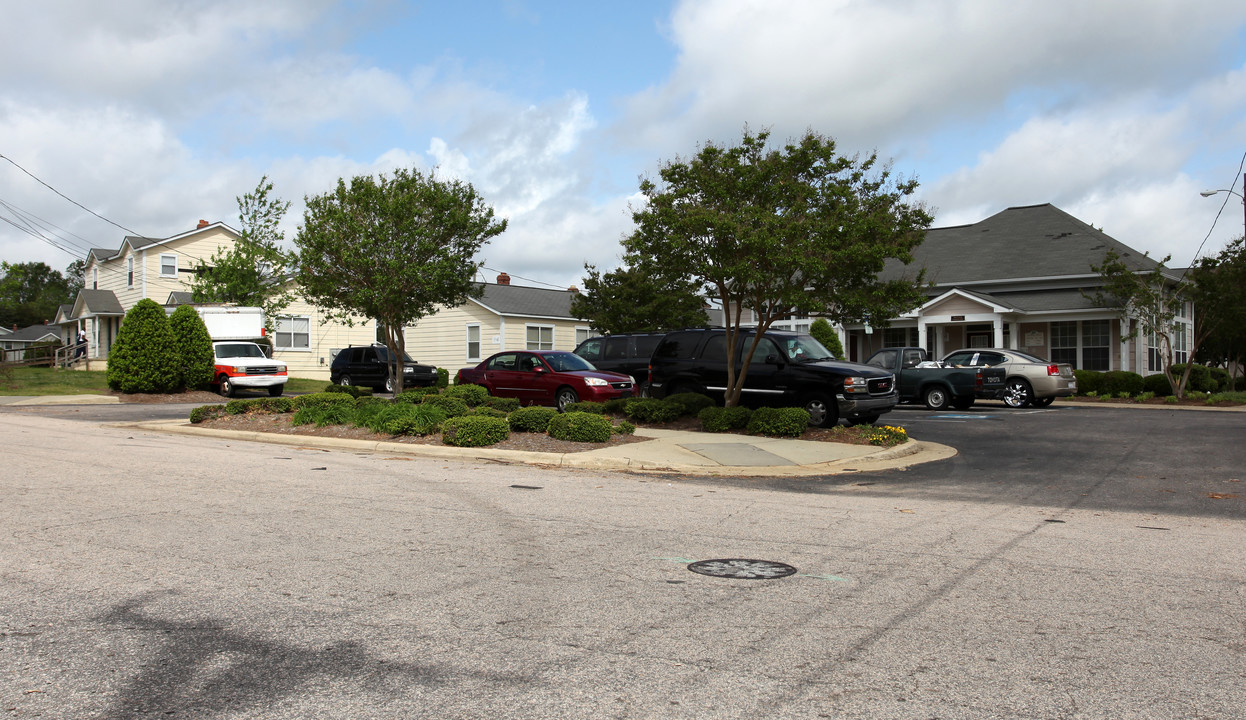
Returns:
(230, 322)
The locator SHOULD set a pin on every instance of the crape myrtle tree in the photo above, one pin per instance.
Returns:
(252, 272)
(1151, 302)
(774, 229)
(394, 249)
(638, 299)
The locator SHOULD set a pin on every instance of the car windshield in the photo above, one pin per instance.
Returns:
(567, 362)
(239, 350)
(804, 348)
(382, 354)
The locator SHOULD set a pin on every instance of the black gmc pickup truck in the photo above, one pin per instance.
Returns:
(936, 386)
(788, 369)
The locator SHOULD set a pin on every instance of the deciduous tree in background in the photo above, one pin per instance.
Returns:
(394, 249)
(30, 293)
(772, 230)
(253, 271)
(638, 299)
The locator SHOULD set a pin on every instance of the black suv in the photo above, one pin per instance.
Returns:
(368, 365)
(627, 354)
(788, 369)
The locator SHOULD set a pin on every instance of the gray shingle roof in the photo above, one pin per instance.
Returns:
(526, 301)
(35, 333)
(1020, 242)
(97, 302)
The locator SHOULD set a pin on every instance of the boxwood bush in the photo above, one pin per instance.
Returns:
(204, 413)
(504, 404)
(259, 406)
(589, 407)
(581, 427)
(196, 358)
(783, 422)
(1157, 385)
(443, 378)
(717, 419)
(451, 406)
(1088, 381)
(531, 419)
(653, 411)
(1200, 377)
(144, 357)
(691, 403)
(624, 428)
(473, 395)
(1116, 382)
(474, 431)
(618, 406)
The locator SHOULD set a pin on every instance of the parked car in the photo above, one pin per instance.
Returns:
(368, 366)
(920, 380)
(546, 377)
(243, 365)
(788, 369)
(627, 354)
(1031, 380)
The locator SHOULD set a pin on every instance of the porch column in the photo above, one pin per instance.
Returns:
(921, 335)
(1014, 336)
(1123, 324)
(999, 331)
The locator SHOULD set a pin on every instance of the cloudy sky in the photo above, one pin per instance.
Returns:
(156, 113)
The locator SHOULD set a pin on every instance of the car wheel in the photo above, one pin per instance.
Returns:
(823, 412)
(344, 380)
(276, 390)
(864, 420)
(936, 398)
(389, 385)
(227, 386)
(1043, 401)
(1018, 393)
(565, 397)
(962, 403)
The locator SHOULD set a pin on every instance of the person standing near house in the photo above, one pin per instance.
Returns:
(81, 348)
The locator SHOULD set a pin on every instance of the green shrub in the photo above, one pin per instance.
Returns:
(581, 427)
(473, 395)
(324, 415)
(1220, 376)
(1171, 399)
(531, 419)
(415, 396)
(486, 411)
(1200, 377)
(716, 419)
(504, 404)
(652, 411)
(321, 399)
(618, 406)
(144, 357)
(196, 358)
(624, 428)
(206, 412)
(1089, 382)
(595, 408)
(822, 331)
(1123, 395)
(355, 391)
(691, 403)
(784, 422)
(237, 407)
(451, 406)
(474, 431)
(1146, 396)
(1157, 385)
(413, 420)
(1116, 382)
(443, 378)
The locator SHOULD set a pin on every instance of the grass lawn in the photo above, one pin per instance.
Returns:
(49, 381)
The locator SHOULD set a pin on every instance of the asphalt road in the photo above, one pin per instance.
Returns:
(1068, 564)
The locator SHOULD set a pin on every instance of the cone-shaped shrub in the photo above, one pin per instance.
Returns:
(144, 357)
(194, 347)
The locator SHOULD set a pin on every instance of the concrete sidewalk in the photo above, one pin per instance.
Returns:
(669, 451)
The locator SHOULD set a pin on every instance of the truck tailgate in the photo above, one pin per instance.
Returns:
(994, 378)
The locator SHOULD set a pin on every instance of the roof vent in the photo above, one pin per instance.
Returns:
(504, 279)
(203, 224)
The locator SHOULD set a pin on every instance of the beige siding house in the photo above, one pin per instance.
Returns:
(505, 317)
(161, 270)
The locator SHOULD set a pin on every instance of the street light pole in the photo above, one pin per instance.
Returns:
(1242, 195)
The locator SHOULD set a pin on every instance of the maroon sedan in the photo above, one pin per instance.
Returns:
(546, 377)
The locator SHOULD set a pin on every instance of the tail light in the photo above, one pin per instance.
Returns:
(978, 379)
(1053, 369)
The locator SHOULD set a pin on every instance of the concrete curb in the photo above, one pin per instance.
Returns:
(662, 454)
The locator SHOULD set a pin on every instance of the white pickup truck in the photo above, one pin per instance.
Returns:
(244, 365)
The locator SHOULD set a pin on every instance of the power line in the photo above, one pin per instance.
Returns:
(75, 202)
(1227, 197)
(37, 226)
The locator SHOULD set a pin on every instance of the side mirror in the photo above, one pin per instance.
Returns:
(539, 369)
(773, 360)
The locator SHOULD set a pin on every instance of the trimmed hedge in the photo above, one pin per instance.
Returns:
(259, 406)
(1156, 384)
(206, 412)
(618, 406)
(624, 428)
(474, 431)
(505, 404)
(654, 411)
(443, 378)
(691, 403)
(1088, 381)
(197, 359)
(473, 395)
(581, 427)
(585, 406)
(144, 357)
(717, 419)
(1200, 377)
(785, 422)
(1116, 382)
(415, 396)
(486, 411)
(531, 419)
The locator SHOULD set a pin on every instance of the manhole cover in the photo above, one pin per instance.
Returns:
(742, 569)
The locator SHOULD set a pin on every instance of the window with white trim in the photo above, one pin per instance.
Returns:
(168, 266)
(1180, 343)
(897, 337)
(540, 337)
(1096, 345)
(473, 342)
(1064, 342)
(129, 272)
(582, 334)
(1154, 358)
(293, 333)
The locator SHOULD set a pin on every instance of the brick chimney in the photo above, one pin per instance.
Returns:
(573, 289)
(504, 279)
(203, 224)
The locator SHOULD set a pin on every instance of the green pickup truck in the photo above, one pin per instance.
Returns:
(920, 380)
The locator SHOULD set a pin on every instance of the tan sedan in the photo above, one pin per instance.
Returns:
(1031, 380)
